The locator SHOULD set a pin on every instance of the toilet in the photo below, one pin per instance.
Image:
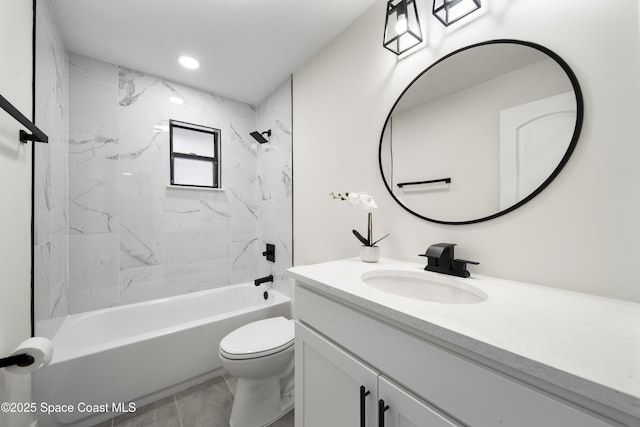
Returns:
(260, 356)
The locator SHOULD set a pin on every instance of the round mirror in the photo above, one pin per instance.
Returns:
(481, 132)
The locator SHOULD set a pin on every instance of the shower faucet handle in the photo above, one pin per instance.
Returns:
(270, 253)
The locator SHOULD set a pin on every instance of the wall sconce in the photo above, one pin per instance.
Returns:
(401, 27)
(450, 11)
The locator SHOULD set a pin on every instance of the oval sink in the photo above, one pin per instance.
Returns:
(424, 287)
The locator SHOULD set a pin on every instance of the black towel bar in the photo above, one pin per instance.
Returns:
(433, 181)
(35, 135)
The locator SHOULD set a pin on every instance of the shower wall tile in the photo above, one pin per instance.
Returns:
(50, 176)
(86, 68)
(94, 274)
(244, 211)
(215, 211)
(141, 284)
(149, 240)
(93, 189)
(180, 279)
(182, 209)
(275, 211)
(42, 280)
(206, 217)
(243, 260)
(181, 262)
(215, 244)
(59, 256)
(180, 250)
(59, 186)
(103, 179)
(93, 155)
(45, 105)
(59, 305)
(215, 273)
(141, 218)
(243, 191)
(51, 79)
(42, 193)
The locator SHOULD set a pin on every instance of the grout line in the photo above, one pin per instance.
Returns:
(175, 402)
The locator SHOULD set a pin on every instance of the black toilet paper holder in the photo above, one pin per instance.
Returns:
(17, 359)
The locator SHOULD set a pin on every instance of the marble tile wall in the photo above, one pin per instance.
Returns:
(94, 214)
(275, 208)
(50, 177)
(131, 237)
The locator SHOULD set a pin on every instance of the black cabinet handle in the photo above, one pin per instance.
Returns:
(381, 410)
(363, 394)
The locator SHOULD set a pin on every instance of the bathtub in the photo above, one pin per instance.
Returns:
(112, 361)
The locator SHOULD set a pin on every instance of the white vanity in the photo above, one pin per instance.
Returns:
(510, 354)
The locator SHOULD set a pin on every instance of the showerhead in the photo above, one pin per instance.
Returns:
(261, 139)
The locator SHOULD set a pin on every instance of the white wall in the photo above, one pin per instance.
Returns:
(582, 233)
(15, 211)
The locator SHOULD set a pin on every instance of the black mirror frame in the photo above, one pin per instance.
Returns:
(574, 139)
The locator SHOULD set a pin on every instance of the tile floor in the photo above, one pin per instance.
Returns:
(205, 405)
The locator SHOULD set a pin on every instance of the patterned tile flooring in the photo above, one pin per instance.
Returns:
(205, 405)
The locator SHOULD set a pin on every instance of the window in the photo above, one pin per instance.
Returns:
(195, 155)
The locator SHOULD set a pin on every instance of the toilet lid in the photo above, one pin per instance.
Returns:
(258, 339)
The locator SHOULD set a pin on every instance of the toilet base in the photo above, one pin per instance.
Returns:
(260, 402)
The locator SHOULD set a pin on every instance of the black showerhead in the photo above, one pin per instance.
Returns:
(261, 139)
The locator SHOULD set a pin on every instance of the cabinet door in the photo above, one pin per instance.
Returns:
(328, 385)
(401, 409)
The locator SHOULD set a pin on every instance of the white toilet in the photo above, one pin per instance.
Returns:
(260, 355)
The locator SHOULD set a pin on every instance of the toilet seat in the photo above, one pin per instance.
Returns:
(258, 339)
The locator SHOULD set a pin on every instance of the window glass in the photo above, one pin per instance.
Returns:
(190, 141)
(193, 172)
(195, 155)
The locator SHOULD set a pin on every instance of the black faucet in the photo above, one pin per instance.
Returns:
(441, 260)
(262, 280)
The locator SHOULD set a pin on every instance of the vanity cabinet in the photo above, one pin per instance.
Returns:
(336, 389)
(329, 382)
(340, 348)
(406, 410)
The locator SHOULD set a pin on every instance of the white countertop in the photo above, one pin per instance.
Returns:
(587, 344)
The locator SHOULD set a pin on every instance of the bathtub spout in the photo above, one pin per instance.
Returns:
(262, 280)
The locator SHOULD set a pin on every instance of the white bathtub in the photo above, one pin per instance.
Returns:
(142, 352)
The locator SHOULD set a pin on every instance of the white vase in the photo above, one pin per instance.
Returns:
(370, 253)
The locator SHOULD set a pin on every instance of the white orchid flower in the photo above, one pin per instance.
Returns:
(353, 198)
(367, 202)
(361, 199)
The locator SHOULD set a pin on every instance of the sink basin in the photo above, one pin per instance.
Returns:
(423, 286)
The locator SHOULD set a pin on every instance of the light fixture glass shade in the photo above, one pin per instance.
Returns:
(450, 11)
(402, 26)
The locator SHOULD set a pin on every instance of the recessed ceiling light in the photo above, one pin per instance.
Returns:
(189, 62)
(176, 100)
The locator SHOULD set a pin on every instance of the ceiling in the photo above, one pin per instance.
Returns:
(246, 48)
